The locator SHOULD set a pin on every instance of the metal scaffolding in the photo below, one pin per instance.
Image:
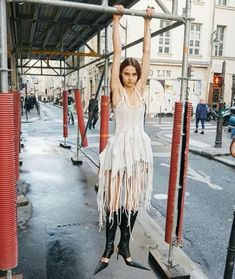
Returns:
(3, 48)
(100, 8)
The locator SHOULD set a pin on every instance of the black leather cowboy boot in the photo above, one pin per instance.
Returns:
(111, 228)
(123, 246)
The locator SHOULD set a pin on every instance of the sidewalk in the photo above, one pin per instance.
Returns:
(207, 146)
(204, 145)
(58, 227)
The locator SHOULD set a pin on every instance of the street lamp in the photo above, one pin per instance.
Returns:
(220, 119)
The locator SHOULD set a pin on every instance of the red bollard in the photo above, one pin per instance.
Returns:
(80, 117)
(104, 122)
(65, 119)
(173, 172)
(8, 228)
(183, 169)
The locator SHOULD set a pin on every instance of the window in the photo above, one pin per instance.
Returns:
(222, 2)
(164, 38)
(219, 40)
(194, 42)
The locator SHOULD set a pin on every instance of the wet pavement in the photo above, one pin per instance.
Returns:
(61, 239)
(58, 231)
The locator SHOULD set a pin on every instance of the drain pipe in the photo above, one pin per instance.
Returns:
(3, 48)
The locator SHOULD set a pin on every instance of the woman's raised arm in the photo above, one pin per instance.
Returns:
(146, 50)
(117, 48)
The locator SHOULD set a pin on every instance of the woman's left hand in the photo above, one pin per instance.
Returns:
(149, 11)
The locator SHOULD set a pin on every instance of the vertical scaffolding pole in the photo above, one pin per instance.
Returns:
(3, 48)
(184, 80)
(3, 62)
(174, 6)
(183, 97)
(106, 63)
(106, 66)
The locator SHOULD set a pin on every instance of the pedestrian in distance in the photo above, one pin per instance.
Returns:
(27, 103)
(233, 105)
(126, 163)
(70, 107)
(201, 115)
(93, 110)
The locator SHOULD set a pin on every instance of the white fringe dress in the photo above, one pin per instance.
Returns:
(126, 163)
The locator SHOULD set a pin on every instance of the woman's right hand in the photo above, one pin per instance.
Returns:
(149, 12)
(120, 9)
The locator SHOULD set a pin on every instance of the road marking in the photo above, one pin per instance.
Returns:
(156, 143)
(193, 142)
(161, 154)
(160, 197)
(162, 124)
(191, 128)
(94, 144)
(164, 196)
(96, 135)
(198, 143)
(199, 176)
(58, 120)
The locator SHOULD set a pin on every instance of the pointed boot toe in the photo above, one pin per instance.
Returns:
(135, 264)
(101, 265)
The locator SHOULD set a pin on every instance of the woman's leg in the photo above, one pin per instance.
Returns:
(123, 246)
(111, 227)
(126, 229)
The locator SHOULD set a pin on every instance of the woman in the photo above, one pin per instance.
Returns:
(125, 175)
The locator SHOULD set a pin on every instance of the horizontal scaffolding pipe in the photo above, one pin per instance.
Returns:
(100, 8)
(156, 33)
(162, 6)
(57, 52)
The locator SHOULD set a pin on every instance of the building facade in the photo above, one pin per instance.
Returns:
(211, 42)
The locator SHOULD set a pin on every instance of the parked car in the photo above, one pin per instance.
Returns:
(231, 121)
(213, 114)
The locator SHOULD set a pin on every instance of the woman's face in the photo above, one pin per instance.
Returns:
(129, 76)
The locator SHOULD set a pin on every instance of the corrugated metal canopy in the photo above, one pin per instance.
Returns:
(43, 27)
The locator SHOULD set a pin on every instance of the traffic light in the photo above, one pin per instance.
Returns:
(218, 80)
(189, 71)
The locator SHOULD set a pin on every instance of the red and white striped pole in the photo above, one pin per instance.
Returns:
(104, 122)
(8, 224)
(65, 119)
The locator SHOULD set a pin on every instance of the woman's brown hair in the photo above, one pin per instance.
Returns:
(130, 62)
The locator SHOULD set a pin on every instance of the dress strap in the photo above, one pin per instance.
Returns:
(139, 95)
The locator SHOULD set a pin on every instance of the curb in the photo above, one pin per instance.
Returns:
(215, 157)
(153, 231)
(206, 154)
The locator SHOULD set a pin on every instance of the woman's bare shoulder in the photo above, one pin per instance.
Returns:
(117, 95)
